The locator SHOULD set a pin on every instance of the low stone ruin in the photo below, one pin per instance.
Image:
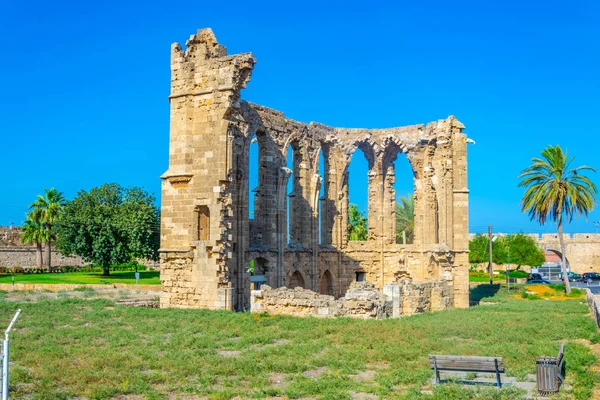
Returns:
(363, 300)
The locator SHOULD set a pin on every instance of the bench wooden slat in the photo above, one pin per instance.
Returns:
(466, 363)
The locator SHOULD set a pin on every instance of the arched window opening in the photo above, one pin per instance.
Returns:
(405, 200)
(253, 176)
(258, 270)
(290, 192)
(202, 223)
(261, 266)
(358, 189)
(321, 202)
(296, 280)
(326, 284)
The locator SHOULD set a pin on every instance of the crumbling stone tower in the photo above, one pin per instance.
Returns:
(207, 238)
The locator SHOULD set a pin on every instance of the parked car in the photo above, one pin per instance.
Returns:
(572, 276)
(537, 282)
(589, 277)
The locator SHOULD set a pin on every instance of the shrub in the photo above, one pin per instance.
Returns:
(518, 274)
(530, 296)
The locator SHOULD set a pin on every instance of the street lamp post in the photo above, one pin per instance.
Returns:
(491, 240)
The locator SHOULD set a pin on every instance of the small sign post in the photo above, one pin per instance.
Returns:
(137, 278)
(5, 361)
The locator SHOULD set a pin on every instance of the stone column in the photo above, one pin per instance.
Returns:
(336, 188)
(284, 175)
(316, 191)
(461, 215)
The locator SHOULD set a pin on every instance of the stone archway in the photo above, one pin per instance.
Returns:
(326, 284)
(296, 280)
(558, 254)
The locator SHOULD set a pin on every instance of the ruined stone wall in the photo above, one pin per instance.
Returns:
(426, 296)
(362, 300)
(207, 238)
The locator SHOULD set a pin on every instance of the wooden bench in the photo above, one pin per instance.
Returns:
(467, 364)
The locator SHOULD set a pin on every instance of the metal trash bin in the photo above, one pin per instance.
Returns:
(547, 375)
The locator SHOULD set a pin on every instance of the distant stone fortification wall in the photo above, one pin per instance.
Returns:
(10, 235)
(24, 256)
(363, 300)
(582, 249)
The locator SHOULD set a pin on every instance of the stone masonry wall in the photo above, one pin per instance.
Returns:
(582, 249)
(24, 256)
(363, 300)
(208, 238)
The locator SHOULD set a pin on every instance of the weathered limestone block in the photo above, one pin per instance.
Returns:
(363, 300)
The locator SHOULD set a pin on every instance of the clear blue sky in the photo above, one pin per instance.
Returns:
(84, 84)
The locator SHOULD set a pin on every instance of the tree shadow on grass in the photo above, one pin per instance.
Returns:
(127, 275)
(481, 292)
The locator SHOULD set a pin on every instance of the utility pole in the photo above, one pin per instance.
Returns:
(490, 266)
(508, 271)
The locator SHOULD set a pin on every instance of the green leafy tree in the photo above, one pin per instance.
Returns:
(479, 250)
(357, 224)
(47, 210)
(405, 218)
(34, 232)
(556, 191)
(515, 249)
(110, 225)
(523, 250)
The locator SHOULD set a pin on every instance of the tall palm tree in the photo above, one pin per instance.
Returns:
(357, 224)
(34, 232)
(49, 208)
(405, 218)
(556, 191)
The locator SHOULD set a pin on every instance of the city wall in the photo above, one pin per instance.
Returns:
(24, 256)
(582, 249)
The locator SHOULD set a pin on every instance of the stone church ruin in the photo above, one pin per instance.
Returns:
(208, 239)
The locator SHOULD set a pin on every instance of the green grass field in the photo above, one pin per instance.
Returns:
(95, 349)
(146, 278)
(486, 278)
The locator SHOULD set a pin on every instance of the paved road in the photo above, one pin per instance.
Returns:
(594, 286)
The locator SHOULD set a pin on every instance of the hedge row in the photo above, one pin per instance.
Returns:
(512, 274)
(129, 267)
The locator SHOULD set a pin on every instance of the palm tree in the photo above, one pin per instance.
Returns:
(357, 224)
(405, 218)
(556, 191)
(49, 209)
(34, 232)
